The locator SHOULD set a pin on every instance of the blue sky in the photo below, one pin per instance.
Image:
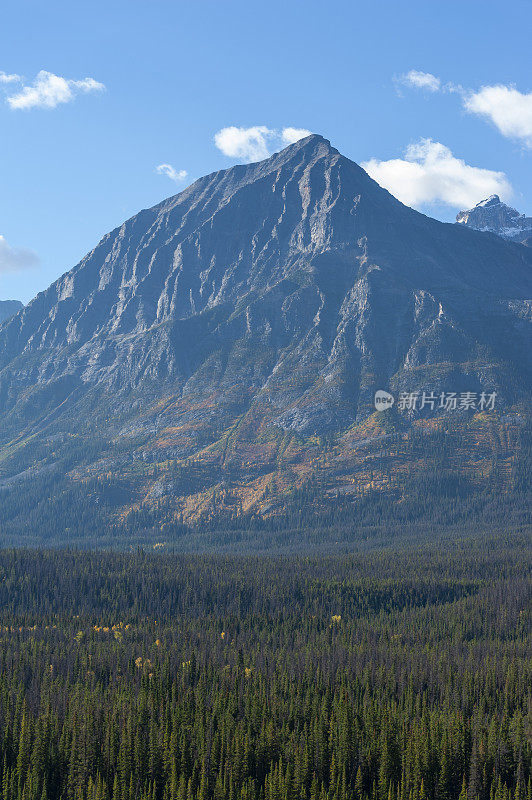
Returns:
(127, 86)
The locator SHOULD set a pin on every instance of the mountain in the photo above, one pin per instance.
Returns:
(8, 308)
(221, 350)
(493, 216)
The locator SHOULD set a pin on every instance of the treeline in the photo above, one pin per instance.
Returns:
(393, 676)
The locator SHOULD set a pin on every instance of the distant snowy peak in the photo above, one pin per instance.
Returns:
(493, 216)
(491, 201)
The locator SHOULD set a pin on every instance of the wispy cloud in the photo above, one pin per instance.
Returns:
(14, 259)
(420, 80)
(7, 78)
(427, 82)
(430, 173)
(176, 175)
(257, 142)
(47, 90)
(507, 108)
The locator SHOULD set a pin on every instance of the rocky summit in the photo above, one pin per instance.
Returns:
(493, 216)
(223, 348)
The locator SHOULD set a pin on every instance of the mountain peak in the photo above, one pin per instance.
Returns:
(225, 183)
(494, 216)
(492, 200)
(309, 148)
(312, 146)
(313, 140)
(223, 329)
(287, 253)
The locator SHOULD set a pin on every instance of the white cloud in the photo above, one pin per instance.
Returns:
(257, 142)
(292, 135)
(175, 175)
(6, 78)
(13, 259)
(505, 106)
(508, 109)
(246, 143)
(430, 173)
(49, 90)
(421, 80)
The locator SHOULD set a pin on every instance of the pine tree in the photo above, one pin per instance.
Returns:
(359, 784)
